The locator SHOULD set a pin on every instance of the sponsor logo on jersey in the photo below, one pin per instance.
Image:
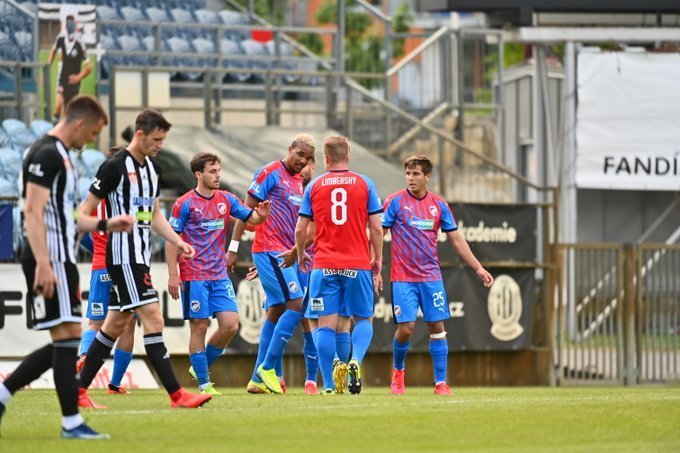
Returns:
(97, 309)
(421, 224)
(293, 287)
(350, 273)
(295, 199)
(222, 208)
(195, 306)
(104, 278)
(212, 224)
(174, 222)
(36, 170)
(316, 304)
(143, 201)
(254, 187)
(96, 183)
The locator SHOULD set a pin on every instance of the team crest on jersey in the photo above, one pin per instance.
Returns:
(293, 287)
(97, 309)
(195, 306)
(222, 208)
(316, 304)
(433, 210)
(397, 310)
(132, 176)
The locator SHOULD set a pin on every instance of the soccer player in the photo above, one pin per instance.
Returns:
(130, 182)
(98, 303)
(342, 204)
(201, 217)
(414, 217)
(73, 54)
(281, 184)
(49, 182)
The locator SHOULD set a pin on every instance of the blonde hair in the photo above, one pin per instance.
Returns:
(336, 148)
(303, 138)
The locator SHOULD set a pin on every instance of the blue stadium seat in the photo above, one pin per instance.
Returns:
(5, 139)
(182, 16)
(20, 135)
(130, 13)
(256, 50)
(11, 163)
(41, 127)
(9, 188)
(230, 17)
(184, 57)
(156, 14)
(92, 159)
(107, 13)
(205, 16)
(230, 48)
(286, 50)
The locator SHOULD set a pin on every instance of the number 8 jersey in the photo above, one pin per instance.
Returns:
(339, 203)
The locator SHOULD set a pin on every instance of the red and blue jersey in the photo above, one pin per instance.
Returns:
(414, 225)
(339, 203)
(203, 223)
(283, 189)
(99, 239)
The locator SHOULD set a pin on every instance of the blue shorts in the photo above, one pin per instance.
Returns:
(202, 299)
(430, 297)
(280, 284)
(347, 292)
(100, 290)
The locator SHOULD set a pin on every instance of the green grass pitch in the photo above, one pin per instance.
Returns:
(474, 419)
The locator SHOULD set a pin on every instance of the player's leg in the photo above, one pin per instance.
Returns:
(405, 305)
(343, 338)
(359, 296)
(59, 102)
(97, 308)
(324, 302)
(196, 309)
(311, 356)
(122, 356)
(435, 311)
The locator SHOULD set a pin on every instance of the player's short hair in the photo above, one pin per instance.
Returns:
(85, 107)
(199, 161)
(336, 148)
(419, 159)
(304, 138)
(149, 120)
(114, 150)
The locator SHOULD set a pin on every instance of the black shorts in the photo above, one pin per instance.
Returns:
(132, 287)
(68, 91)
(64, 305)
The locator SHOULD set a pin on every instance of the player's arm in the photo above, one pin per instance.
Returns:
(290, 256)
(246, 227)
(36, 199)
(462, 249)
(376, 235)
(161, 226)
(260, 213)
(53, 53)
(301, 229)
(77, 78)
(89, 222)
(239, 227)
(173, 269)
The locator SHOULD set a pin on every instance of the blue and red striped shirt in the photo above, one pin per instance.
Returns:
(283, 189)
(203, 223)
(414, 225)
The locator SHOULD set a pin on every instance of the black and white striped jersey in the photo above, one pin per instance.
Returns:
(47, 163)
(129, 188)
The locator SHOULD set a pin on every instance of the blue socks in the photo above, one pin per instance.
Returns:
(282, 332)
(86, 340)
(326, 348)
(265, 339)
(343, 344)
(311, 357)
(199, 360)
(121, 360)
(439, 350)
(361, 339)
(213, 353)
(400, 350)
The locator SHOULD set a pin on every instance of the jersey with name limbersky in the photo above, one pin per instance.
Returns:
(339, 203)
(283, 189)
(203, 223)
(414, 224)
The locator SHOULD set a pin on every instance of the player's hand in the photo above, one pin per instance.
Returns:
(289, 257)
(173, 286)
(232, 259)
(485, 277)
(264, 208)
(304, 262)
(74, 79)
(252, 274)
(377, 284)
(186, 250)
(121, 223)
(45, 278)
(376, 266)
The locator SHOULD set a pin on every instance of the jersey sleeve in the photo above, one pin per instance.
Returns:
(374, 206)
(389, 213)
(179, 215)
(262, 184)
(43, 167)
(306, 204)
(106, 180)
(448, 222)
(238, 209)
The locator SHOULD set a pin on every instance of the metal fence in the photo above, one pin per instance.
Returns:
(618, 314)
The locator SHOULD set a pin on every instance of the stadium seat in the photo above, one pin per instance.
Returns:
(92, 159)
(107, 13)
(229, 48)
(9, 188)
(256, 51)
(84, 183)
(40, 127)
(156, 14)
(182, 16)
(20, 135)
(132, 14)
(78, 162)
(11, 163)
(205, 16)
(5, 139)
(286, 50)
(230, 17)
